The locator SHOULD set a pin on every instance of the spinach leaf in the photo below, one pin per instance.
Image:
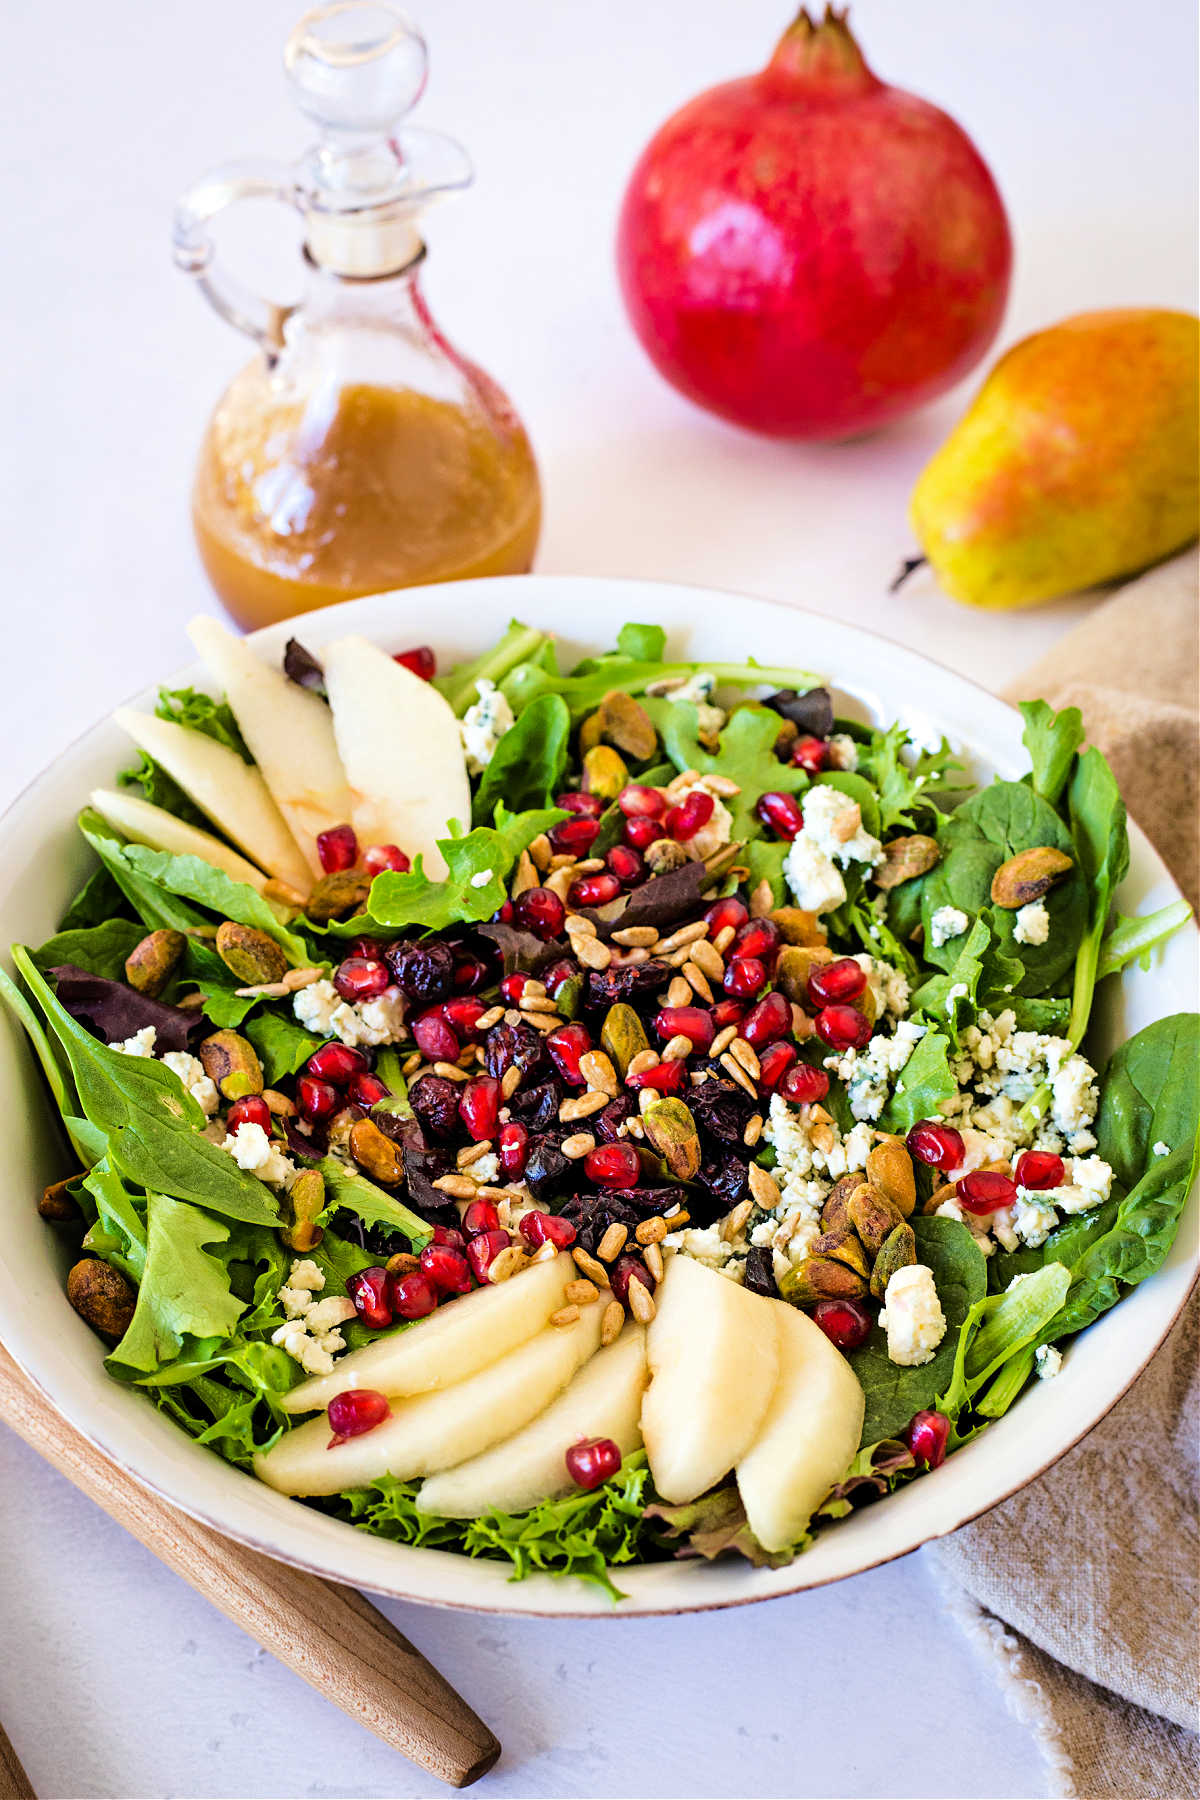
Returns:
(527, 765)
(97, 900)
(54, 1066)
(345, 1187)
(1048, 1016)
(160, 790)
(923, 1083)
(520, 643)
(155, 906)
(223, 1006)
(894, 1394)
(642, 643)
(100, 949)
(1132, 939)
(1102, 847)
(153, 1126)
(183, 1288)
(200, 712)
(585, 689)
(474, 885)
(196, 880)
(1051, 739)
(283, 1046)
(119, 1231)
(746, 756)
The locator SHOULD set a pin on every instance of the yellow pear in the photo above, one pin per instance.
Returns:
(1076, 464)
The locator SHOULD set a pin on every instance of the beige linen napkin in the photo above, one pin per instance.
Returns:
(1083, 1589)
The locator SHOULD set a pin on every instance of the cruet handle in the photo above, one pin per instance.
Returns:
(195, 253)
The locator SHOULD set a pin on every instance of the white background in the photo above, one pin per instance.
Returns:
(116, 1679)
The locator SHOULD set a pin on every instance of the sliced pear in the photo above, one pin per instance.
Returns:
(161, 830)
(289, 733)
(437, 1430)
(714, 1358)
(233, 794)
(460, 1338)
(400, 747)
(604, 1400)
(809, 1436)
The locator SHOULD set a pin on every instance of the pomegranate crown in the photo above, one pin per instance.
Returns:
(820, 57)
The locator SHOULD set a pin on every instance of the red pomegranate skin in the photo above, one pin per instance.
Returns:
(809, 252)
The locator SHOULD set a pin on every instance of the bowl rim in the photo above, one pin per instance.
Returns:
(692, 601)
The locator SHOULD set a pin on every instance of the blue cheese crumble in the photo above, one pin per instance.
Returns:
(1047, 1361)
(912, 1316)
(1032, 924)
(946, 923)
(187, 1067)
(483, 725)
(310, 1332)
(320, 1009)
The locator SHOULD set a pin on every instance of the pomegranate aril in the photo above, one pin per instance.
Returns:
(252, 1110)
(613, 1166)
(316, 1099)
(370, 1290)
(513, 1148)
(939, 1146)
(985, 1191)
(640, 833)
(664, 1078)
(927, 1436)
(447, 1268)
(566, 1046)
(470, 973)
(759, 938)
(513, 986)
(463, 1015)
(587, 806)
(637, 801)
(690, 816)
(367, 1090)
(420, 659)
(803, 1085)
(546, 1228)
(723, 913)
(834, 983)
(594, 890)
(540, 911)
(381, 858)
(558, 974)
(483, 1250)
(843, 1028)
(728, 1012)
(745, 977)
(413, 1295)
(358, 979)
(504, 913)
(774, 1064)
(627, 1269)
(337, 848)
(1040, 1169)
(574, 837)
(338, 1063)
(592, 1461)
(356, 1411)
(435, 1038)
(782, 813)
(686, 1021)
(479, 1108)
(629, 866)
(844, 1322)
(770, 1020)
(448, 1236)
(811, 753)
(480, 1216)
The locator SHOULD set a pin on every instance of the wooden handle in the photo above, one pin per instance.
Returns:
(328, 1634)
(14, 1782)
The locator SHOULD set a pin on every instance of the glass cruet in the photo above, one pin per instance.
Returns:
(358, 451)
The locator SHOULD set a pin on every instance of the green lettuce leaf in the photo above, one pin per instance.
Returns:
(283, 1046)
(906, 789)
(474, 886)
(526, 770)
(746, 756)
(184, 1289)
(921, 1086)
(1051, 739)
(97, 900)
(200, 712)
(1101, 841)
(345, 1187)
(160, 790)
(100, 949)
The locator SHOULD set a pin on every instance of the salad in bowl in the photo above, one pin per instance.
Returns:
(593, 1116)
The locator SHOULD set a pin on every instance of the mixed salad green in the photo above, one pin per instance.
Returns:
(708, 973)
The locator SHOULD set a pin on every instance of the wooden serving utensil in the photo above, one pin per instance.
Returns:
(330, 1635)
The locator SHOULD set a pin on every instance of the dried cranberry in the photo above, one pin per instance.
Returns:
(927, 1436)
(381, 858)
(516, 1046)
(547, 1170)
(435, 1038)
(745, 977)
(758, 937)
(844, 1322)
(425, 971)
(843, 1028)
(1040, 1169)
(537, 1107)
(566, 1046)
(723, 913)
(663, 1077)
(367, 1090)
(546, 1228)
(434, 1100)
(252, 1110)
(413, 1295)
(540, 910)
(337, 1063)
(769, 1020)
(985, 1191)
(724, 1181)
(803, 1085)
(337, 848)
(613, 1165)
(639, 802)
(370, 1290)
(356, 1411)
(512, 1148)
(690, 816)
(480, 1216)
(479, 1107)
(594, 890)
(640, 833)
(483, 1250)
(420, 660)
(759, 1275)
(360, 979)
(782, 813)
(836, 982)
(940, 1146)
(629, 1268)
(811, 753)
(588, 806)
(574, 837)
(629, 866)
(625, 981)
(773, 1064)
(316, 1099)
(447, 1268)
(592, 1461)
(686, 1021)
(608, 1122)
(721, 1109)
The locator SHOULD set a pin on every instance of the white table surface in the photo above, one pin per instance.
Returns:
(116, 1679)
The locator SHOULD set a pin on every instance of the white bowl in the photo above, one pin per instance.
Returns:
(43, 860)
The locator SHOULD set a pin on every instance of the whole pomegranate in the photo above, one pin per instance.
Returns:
(810, 252)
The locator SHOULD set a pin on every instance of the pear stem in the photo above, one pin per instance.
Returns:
(906, 568)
